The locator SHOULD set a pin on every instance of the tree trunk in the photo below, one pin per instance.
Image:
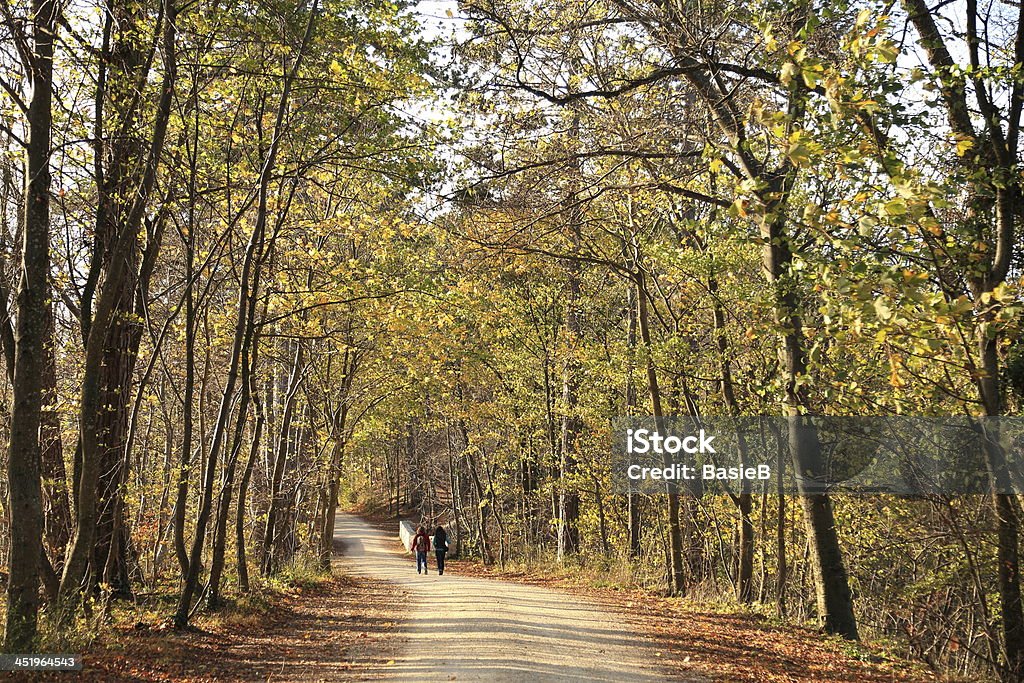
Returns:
(227, 483)
(121, 207)
(188, 423)
(249, 363)
(780, 532)
(123, 189)
(24, 454)
(455, 478)
(243, 490)
(57, 509)
(482, 503)
(572, 427)
(338, 430)
(1007, 515)
(274, 525)
(835, 601)
(331, 506)
(744, 501)
(677, 582)
(635, 524)
(995, 187)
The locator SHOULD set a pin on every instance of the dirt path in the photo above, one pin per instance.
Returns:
(472, 629)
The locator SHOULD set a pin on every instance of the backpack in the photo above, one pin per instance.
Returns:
(421, 543)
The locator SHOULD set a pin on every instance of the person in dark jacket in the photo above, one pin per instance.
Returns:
(440, 547)
(421, 546)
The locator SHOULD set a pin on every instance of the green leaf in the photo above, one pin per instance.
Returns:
(895, 207)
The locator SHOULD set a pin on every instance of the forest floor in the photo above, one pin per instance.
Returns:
(376, 619)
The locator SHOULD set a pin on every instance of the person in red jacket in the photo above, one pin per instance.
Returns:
(421, 546)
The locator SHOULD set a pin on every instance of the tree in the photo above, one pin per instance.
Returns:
(31, 341)
(125, 173)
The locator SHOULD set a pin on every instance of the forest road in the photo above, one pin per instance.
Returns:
(461, 628)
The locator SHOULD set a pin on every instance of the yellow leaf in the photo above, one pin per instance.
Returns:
(963, 145)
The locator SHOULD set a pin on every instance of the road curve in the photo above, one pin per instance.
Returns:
(462, 628)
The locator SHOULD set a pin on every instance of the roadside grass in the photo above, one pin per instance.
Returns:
(303, 571)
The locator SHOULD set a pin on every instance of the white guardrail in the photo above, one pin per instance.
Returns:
(405, 532)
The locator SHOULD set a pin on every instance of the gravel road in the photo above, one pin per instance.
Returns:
(461, 628)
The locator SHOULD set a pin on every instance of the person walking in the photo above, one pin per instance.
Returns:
(421, 546)
(440, 547)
